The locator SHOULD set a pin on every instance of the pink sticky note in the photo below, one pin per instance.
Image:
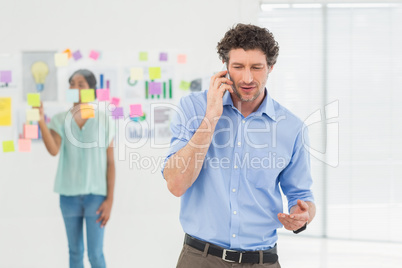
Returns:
(5, 76)
(94, 54)
(118, 112)
(181, 58)
(163, 56)
(30, 131)
(103, 94)
(77, 55)
(115, 101)
(155, 88)
(24, 145)
(136, 110)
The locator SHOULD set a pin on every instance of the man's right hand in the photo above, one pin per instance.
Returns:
(217, 88)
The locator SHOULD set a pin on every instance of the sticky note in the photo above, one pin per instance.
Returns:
(136, 74)
(181, 58)
(33, 99)
(5, 77)
(118, 112)
(24, 145)
(33, 115)
(60, 59)
(136, 110)
(143, 56)
(8, 146)
(115, 101)
(68, 52)
(154, 73)
(155, 88)
(77, 55)
(73, 95)
(94, 55)
(30, 131)
(87, 95)
(5, 111)
(163, 56)
(87, 111)
(184, 85)
(103, 94)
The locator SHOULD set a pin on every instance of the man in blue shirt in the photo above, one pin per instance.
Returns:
(233, 149)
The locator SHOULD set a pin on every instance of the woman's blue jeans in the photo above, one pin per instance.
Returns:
(75, 209)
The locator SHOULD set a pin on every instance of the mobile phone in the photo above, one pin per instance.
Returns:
(225, 68)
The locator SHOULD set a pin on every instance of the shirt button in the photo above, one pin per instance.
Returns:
(234, 235)
(235, 212)
(239, 143)
(235, 166)
(233, 190)
(243, 121)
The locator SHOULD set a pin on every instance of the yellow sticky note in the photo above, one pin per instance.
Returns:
(33, 115)
(5, 111)
(87, 95)
(33, 99)
(154, 73)
(61, 59)
(8, 146)
(24, 145)
(143, 56)
(87, 111)
(136, 74)
(184, 85)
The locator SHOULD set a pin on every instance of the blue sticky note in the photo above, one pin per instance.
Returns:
(73, 95)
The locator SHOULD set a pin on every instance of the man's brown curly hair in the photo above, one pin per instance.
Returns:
(249, 37)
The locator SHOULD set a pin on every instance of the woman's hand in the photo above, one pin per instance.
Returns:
(104, 210)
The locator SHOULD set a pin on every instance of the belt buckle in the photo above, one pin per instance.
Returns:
(224, 255)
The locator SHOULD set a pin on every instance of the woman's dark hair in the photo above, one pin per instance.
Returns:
(88, 75)
(249, 37)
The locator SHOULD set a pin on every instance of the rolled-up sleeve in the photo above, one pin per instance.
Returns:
(295, 179)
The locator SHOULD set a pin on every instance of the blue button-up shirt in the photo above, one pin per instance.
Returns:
(235, 200)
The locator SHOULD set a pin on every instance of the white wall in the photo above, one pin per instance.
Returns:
(144, 223)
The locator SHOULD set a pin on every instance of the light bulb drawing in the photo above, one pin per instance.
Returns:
(39, 71)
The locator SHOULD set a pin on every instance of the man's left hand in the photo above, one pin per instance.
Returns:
(298, 216)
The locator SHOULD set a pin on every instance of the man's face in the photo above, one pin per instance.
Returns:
(248, 69)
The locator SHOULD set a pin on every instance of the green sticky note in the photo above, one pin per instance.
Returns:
(143, 56)
(33, 99)
(87, 95)
(8, 146)
(184, 85)
(154, 73)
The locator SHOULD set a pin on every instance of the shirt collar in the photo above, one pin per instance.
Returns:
(266, 107)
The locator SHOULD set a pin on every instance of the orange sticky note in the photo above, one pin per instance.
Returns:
(30, 131)
(87, 111)
(68, 52)
(24, 145)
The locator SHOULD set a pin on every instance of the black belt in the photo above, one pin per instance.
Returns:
(269, 256)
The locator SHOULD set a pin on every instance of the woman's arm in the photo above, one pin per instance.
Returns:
(106, 207)
(51, 139)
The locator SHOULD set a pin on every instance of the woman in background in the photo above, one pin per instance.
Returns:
(86, 172)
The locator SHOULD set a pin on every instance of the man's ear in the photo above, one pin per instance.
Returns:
(271, 68)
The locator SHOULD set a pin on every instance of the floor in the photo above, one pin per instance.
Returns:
(304, 252)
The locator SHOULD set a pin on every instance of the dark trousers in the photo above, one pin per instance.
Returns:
(193, 258)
